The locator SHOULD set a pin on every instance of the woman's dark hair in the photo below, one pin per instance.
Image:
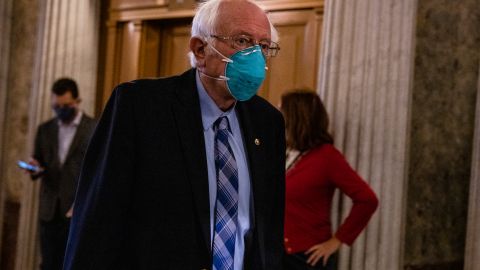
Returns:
(306, 120)
(63, 85)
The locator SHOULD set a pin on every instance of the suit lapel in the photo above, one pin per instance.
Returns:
(53, 134)
(256, 156)
(190, 130)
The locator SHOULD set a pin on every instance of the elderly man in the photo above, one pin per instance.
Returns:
(187, 172)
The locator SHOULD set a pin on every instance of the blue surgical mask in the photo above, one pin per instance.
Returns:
(244, 72)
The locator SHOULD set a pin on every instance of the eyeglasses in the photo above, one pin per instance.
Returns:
(240, 42)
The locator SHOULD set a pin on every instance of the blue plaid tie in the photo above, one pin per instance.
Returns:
(227, 198)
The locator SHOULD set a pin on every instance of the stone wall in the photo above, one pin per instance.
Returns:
(442, 124)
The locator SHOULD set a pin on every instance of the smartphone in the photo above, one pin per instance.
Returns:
(28, 167)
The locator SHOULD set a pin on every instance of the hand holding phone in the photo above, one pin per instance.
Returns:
(29, 167)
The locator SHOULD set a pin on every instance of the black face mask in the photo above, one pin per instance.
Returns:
(65, 114)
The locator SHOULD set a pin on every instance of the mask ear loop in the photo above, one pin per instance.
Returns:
(224, 59)
(219, 78)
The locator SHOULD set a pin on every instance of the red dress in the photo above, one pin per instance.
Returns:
(310, 185)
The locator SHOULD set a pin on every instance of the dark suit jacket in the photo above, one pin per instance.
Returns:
(59, 182)
(143, 200)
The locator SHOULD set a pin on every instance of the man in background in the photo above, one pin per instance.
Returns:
(60, 145)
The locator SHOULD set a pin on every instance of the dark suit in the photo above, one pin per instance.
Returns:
(143, 200)
(58, 185)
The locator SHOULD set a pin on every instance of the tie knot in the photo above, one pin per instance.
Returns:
(221, 124)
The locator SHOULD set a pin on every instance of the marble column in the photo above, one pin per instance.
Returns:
(472, 248)
(67, 46)
(16, 84)
(365, 80)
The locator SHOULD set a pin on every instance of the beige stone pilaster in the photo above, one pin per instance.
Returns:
(365, 80)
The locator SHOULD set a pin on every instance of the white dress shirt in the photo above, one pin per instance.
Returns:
(210, 113)
(66, 133)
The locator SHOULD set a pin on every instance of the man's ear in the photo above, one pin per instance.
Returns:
(197, 47)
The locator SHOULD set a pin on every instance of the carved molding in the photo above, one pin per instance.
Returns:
(119, 5)
(136, 4)
(153, 13)
(154, 10)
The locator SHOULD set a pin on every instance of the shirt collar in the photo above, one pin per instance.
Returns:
(75, 122)
(210, 110)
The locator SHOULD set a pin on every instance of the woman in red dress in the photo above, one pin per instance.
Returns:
(315, 168)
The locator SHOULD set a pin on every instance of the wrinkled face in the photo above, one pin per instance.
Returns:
(235, 18)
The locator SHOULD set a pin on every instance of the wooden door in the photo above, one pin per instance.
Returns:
(296, 65)
(160, 48)
(165, 48)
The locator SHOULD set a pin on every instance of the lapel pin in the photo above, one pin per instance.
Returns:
(257, 141)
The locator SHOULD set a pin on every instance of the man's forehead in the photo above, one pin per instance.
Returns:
(66, 97)
(250, 21)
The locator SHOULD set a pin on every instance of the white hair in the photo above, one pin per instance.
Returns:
(205, 21)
